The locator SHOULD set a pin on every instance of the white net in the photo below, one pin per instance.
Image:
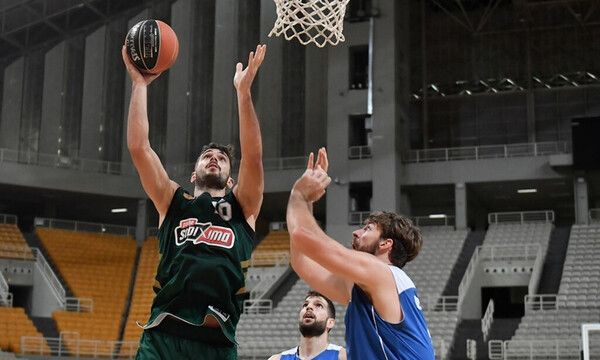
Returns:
(317, 21)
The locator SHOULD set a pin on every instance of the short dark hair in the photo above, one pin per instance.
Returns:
(226, 149)
(407, 238)
(330, 306)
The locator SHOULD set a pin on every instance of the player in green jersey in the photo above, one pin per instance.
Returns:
(205, 239)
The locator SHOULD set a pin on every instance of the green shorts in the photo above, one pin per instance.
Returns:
(158, 345)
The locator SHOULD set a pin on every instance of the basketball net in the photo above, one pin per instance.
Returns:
(317, 21)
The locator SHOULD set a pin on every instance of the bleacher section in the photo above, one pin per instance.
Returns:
(553, 333)
(13, 244)
(142, 296)
(14, 323)
(432, 267)
(519, 234)
(430, 272)
(557, 331)
(276, 242)
(581, 271)
(96, 266)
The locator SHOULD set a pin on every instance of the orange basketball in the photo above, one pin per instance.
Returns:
(152, 46)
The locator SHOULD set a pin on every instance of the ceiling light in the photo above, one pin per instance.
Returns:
(118, 210)
(437, 216)
(527, 191)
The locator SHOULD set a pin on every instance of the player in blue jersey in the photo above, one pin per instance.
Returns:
(317, 318)
(384, 318)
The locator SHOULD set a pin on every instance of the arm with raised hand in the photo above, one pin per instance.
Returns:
(250, 187)
(301, 223)
(339, 268)
(153, 175)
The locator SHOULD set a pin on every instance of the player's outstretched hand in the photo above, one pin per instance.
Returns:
(312, 184)
(244, 77)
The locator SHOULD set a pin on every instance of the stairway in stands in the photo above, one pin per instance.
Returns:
(502, 329)
(34, 242)
(555, 258)
(46, 326)
(474, 239)
(467, 329)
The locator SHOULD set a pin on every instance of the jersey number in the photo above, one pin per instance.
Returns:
(224, 210)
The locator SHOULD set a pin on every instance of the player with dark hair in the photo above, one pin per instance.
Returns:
(317, 318)
(205, 239)
(384, 318)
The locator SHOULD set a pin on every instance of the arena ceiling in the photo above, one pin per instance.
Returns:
(27, 24)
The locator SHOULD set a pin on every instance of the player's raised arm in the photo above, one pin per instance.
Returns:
(250, 187)
(153, 176)
(301, 223)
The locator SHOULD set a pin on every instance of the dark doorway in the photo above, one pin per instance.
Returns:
(508, 301)
(21, 296)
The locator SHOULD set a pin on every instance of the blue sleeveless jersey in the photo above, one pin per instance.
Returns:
(368, 336)
(332, 352)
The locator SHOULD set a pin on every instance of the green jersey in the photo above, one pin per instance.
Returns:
(205, 245)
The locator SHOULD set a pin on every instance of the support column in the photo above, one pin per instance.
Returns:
(224, 114)
(141, 221)
(460, 203)
(315, 107)
(52, 99)
(581, 201)
(92, 112)
(390, 101)
(270, 83)
(12, 99)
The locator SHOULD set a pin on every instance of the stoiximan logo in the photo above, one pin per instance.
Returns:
(203, 233)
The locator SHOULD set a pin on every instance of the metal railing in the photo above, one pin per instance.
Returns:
(6, 299)
(5, 295)
(495, 350)
(359, 152)
(441, 348)
(127, 169)
(258, 306)
(271, 258)
(594, 215)
(471, 349)
(69, 344)
(546, 216)
(357, 217)
(438, 303)
(84, 226)
(486, 152)
(508, 252)
(277, 225)
(282, 263)
(551, 349)
(283, 163)
(8, 219)
(487, 320)
(542, 302)
(66, 162)
(3, 284)
(50, 276)
(79, 304)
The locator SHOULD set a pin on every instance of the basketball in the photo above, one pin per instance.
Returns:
(152, 46)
